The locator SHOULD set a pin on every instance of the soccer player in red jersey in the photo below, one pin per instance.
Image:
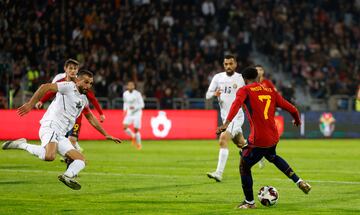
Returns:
(260, 103)
(71, 68)
(266, 83)
(263, 81)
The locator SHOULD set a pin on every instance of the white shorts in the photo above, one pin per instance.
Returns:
(235, 126)
(133, 119)
(49, 133)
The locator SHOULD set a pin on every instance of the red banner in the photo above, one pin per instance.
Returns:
(156, 124)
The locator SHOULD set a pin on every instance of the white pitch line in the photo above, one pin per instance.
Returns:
(162, 176)
(90, 173)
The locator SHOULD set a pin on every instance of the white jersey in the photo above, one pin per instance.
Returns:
(58, 77)
(228, 86)
(65, 108)
(133, 102)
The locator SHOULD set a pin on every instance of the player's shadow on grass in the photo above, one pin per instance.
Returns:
(14, 182)
(21, 166)
(153, 188)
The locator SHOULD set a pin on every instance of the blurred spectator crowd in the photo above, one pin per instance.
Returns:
(172, 48)
(316, 42)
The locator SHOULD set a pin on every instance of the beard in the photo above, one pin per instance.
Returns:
(230, 72)
(83, 91)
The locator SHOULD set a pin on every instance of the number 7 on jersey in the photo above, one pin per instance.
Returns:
(267, 105)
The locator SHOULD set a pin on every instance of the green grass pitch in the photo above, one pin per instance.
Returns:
(169, 177)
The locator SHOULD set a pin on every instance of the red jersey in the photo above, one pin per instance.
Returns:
(260, 104)
(268, 83)
(90, 96)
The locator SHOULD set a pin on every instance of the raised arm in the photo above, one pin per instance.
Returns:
(44, 88)
(95, 123)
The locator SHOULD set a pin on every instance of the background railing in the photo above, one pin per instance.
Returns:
(334, 103)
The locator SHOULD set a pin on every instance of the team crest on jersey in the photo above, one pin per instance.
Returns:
(234, 86)
(78, 105)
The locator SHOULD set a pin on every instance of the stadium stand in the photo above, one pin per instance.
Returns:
(177, 44)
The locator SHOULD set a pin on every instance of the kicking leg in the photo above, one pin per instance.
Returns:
(284, 167)
(46, 152)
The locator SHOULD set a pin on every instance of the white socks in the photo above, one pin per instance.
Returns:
(223, 156)
(300, 180)
(36, 150)
(250, 202)
(75, 167)
(129, 132)
(138, 138)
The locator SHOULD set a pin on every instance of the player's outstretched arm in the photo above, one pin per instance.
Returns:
(44, 88)
(95, 123)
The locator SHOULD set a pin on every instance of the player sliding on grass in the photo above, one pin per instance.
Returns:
(59, 118)
(71, 68)
(260, 103)
(224, 86)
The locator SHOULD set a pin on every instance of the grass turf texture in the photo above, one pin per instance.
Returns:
(168, 177)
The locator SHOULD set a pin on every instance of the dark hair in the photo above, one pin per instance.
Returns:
(71, 61)
(83, 72)
(249, 73)
(230, 56)
(258, 65)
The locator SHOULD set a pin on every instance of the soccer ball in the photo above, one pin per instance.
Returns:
(268, 195)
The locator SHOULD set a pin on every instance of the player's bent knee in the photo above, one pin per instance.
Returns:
(75, 155)
(50, 151)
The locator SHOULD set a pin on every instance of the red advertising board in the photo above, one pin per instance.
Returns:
(156, 124)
